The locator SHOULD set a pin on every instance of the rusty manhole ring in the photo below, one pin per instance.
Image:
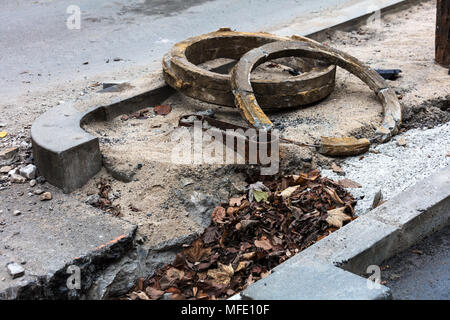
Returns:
(247, 101)
(181, 71)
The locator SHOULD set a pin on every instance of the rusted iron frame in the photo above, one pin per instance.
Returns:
(252, 113)
(181, 71)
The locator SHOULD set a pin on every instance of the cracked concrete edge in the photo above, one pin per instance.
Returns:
(53, 286)
(317, 272)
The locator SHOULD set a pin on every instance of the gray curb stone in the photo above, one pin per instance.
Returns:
(312, 280)
(65, 154)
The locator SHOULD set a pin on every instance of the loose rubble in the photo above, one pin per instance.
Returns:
(15, 270)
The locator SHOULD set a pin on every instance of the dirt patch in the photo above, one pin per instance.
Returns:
(428, 114)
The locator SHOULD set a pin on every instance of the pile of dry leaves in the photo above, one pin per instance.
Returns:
(251, 235)
(104, 201)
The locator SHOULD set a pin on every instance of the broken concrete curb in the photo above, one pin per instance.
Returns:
(369, 240)
(66, 155)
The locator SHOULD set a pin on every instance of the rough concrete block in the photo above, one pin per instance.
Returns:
(312, 280)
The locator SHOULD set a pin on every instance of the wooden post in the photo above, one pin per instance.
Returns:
(443, 32)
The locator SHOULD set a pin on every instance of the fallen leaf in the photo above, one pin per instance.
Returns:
(219, 213)
(286, 193)
(249, 255)
(337, 217)
(347, 183)
(162, 110)
(242, 265)
(264, 243)
(142, 295)
(232, 210)
(336, 168)
(332, 193)
(236, 202)
(222, 274)
(153, 293)
(260, 195)
(196, 252)
(174, 274)
(3, 134)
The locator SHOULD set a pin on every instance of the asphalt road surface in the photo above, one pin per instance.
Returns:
(35, 40)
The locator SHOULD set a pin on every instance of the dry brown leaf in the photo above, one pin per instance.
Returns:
(174, 274)
(248, 256)
(196, 252)
(153, 293)
(337, 217)
(347, 183)
(142, 295)
(332, 193)
(242, 265)
(288, 192)
(223, 274)
(218, 215)
(232, 210)
(162, 110)
(236, 202)
(264, 243)
(336, 168)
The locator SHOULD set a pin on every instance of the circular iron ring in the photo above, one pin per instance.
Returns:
(247, 102)
(181, 71)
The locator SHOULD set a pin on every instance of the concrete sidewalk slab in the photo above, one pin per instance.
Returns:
(46, 241)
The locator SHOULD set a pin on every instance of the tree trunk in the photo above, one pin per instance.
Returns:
(443, 32)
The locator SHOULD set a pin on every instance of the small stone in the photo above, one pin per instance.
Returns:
(401, 142)
(206, 113)
(15, 270)
(17, 213)
(24, 146)
(38, 192)
(5, 169)
(33, 183)
(377, 199)
(8, 156)
(92, 199)
(29, 171)
(15, 178)
(40, 180)
(45, 196)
